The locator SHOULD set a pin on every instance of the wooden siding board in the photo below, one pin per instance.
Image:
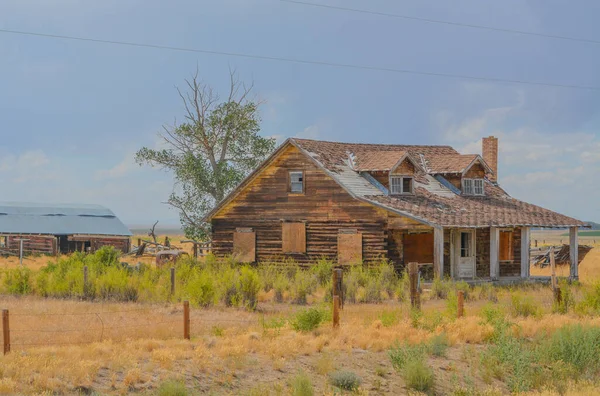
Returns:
(293, 237)
(350, 249)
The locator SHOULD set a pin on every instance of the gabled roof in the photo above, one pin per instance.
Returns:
(59, 219)
(455, 163)
(375, 160)
(433, 203)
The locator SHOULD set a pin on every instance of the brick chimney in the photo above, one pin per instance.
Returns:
(490, 155)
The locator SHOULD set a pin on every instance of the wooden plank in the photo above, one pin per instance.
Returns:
(574, 251)
(438, 252)
(525, 247)
(494, 250)
(244, 246)
(293, 237)
(506, 252)
(418, 248)
(350, 249)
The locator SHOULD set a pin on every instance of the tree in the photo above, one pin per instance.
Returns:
(211, 151)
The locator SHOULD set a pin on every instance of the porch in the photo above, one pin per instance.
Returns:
(494, 254)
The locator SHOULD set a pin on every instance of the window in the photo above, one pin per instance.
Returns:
(293, 237)
(297, 182)
(472, 186)
(506, 246)
(401, 185)
(465, 244)
(244, 245)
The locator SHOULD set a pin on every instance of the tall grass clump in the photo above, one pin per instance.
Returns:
(410, 361)
(345, 380)
(17, 280)
(308, 319)
(249, 287)
(302, 286)
(524, 306)
(576, 345)
(301, 385)
(566, 301)
(322, 271)
(590, 304)
(172, 388)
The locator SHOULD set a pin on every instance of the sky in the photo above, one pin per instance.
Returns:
(74, 113)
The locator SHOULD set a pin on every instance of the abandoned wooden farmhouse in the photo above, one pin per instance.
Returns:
(363, 202)
(53, 229)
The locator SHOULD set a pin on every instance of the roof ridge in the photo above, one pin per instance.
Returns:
(373, 144)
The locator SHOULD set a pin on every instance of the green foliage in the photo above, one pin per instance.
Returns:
(249, 287)
(172, 388)
(216, 146)
(438, 345)
(345, 380)
(494, 316)
(524, 306)
(373, 290)
(17, 280)
(301, 385)
(281, 285)
(590, 304)
(308, 319)
(576, 345)
(389, 318)
(418, 376)
(566, 300)
(322, 270)
(402, 354)
(201, 290)
(301, 287)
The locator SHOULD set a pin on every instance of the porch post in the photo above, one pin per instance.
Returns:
(574, 248)
(525, 246)
(438, 252)
(494, 251)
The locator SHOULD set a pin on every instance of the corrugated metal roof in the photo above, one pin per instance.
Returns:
(59, 219)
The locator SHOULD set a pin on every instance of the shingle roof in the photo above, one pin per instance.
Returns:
(61, 219)
(376, 160)
(432, 203)
(455, 163)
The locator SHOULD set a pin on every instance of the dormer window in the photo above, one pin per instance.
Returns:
(472, 187)
(401, 184)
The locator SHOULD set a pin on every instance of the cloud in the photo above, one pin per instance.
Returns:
(122, 169)
(27, 166)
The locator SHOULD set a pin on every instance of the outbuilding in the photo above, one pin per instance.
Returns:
(59, 228)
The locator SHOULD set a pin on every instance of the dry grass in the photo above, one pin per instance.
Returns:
(135, 347)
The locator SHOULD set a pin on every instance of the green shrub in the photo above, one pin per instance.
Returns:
(308, 319)
(323, 271)
(17, 280)
(172, 388)
(389, 318)
(345, 380)
(418, 376)
(566, 300)
(201, 290)
(438, 345)
(402, 287)
(590, 304)
(229, 292)
(301, 385)
(440, 288)
(388, 278)
(249, 287)
(268, 274)
(302, 286)
(373, 290)
(281, 285)
(576, 345)
(402, 354)
(524, 306)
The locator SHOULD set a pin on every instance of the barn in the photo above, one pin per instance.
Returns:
(62, 228)
(354, 202)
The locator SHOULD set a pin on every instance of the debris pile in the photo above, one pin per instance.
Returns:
(562, 255)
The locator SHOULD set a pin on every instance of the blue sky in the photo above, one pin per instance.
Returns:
(74, 113)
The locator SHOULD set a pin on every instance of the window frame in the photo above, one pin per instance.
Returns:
(401, 184)
(473, 187)
(290, 190)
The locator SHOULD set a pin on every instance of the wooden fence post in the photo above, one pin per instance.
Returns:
(85, 276)
(461, 304)
(172, 280)
(336, 285)
(195, 250)
(555, 289)
(336, 312)
(139, 242)
(5, 331)
(413, 276)
(186, 320)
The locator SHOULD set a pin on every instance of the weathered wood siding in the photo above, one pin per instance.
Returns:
(476, 172)
(325, 207)
(35, 244)
(513, 267)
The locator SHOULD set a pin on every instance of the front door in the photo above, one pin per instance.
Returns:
(466, 254)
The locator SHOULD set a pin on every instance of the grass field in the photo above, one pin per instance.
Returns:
(510, 340)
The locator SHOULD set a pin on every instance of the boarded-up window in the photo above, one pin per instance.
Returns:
(349, 247)
(244, 245)
(293, 237)
(506, 246)
(418, 248)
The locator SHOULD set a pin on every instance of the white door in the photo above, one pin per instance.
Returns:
(466, 254)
